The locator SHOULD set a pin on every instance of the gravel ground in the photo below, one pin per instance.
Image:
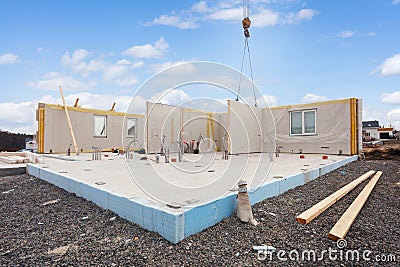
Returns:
(43, 225)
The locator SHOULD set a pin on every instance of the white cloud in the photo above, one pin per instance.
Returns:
(393, 118)
(371, 114)
(116, 73)
(75, 58)
(371, 34)
(395, 2)
(119, 73)
(391, 98)
(234, 14)
(170, 97)
(231, 11)
(162, 66)
(309, 98)
(306, 14)
(17, 117)
(303, 14)
(265, 18)
(267, 100)
(200, 7)
(124, 61)
(148, 50)
(137, 64)
(346, 34)
(394, 114)
(52, 81)
(390, 67)
(126, 81)
(385, 117)
(8, 58)
(76, 62)
(262, 17)
(16, 112)
(263, 101)
(175, 21)
(133, 65)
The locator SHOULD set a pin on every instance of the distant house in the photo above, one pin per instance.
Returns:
(386, 133)
(370, 131)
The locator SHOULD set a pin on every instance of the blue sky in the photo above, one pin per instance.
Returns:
(102, 51)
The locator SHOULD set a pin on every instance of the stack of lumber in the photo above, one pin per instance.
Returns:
(14, 159)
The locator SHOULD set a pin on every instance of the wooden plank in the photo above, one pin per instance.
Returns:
(8, 160)
(343, 225)
(41, 131)
(308, 215)
(69, 122)
(19, 159)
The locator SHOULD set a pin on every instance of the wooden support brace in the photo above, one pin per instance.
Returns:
(343, 225)
(309, 215)
(69, 122)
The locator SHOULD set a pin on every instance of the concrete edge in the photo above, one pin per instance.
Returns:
(169, 224)
(177, 225)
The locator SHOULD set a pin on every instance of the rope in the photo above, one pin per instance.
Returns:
(246, 24)
(241, 69)
(245, 8)
(251, 74)
(246, 45)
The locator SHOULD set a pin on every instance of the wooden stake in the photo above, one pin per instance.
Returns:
(76, 102)
(113, 106)
(324, 204)
(69, 122)
(343, 225)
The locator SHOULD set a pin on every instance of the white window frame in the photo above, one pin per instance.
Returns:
(302, 122)
(104, 135)
(127, 127)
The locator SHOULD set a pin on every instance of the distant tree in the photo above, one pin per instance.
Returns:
(12, 141)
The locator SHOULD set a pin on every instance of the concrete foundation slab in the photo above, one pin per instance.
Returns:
(179, 199)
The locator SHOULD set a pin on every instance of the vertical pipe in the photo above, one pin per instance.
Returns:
(172, 130)
(229, 127)
(208, 130)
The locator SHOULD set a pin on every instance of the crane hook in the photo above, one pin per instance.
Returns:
(246, 22)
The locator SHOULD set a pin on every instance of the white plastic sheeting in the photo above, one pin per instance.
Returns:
(332, 128)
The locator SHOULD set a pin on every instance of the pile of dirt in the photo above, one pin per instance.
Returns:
(387, 151)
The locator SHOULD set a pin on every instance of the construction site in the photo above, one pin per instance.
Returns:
(190, 184)
(174, 188)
